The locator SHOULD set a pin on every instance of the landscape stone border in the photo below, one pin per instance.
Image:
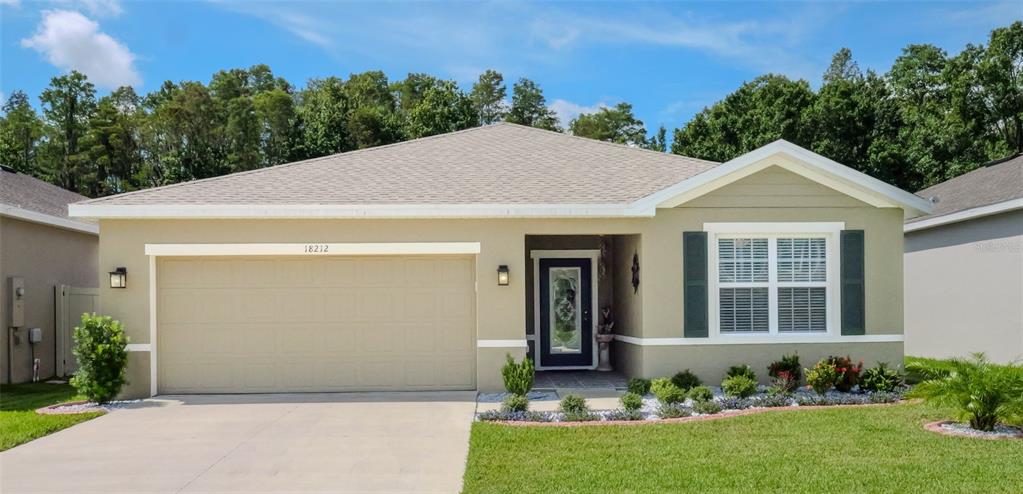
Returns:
(70, 408)
(937, 427)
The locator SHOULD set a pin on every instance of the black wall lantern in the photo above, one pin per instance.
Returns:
(119, 278)
(502, 275)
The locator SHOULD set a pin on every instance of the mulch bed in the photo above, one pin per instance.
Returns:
(940, 428)
(70, 408)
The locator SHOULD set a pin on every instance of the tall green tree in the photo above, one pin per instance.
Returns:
(323, 112)
(616, 124)
(68, 103)
(113, 144)
(20, 132)
(371, 111)
(488, 95)
(529, 107)
(432, 106)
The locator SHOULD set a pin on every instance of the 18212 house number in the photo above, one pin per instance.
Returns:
(316, 248)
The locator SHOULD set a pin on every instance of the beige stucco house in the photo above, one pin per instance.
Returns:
(420, 265)
(53, 260)
(964, 266)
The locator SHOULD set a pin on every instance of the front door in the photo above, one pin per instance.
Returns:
(566, 324)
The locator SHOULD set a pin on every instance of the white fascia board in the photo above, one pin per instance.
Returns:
(817, 168)
(964, 215)
(320, 211)
(47, 219)
(316, 249)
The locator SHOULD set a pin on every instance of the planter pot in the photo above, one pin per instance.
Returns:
(604, 351)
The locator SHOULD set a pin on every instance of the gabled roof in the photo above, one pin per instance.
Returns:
(501, 170)
(990, 189)
(31, 199)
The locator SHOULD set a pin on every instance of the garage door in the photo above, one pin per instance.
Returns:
(255, 325)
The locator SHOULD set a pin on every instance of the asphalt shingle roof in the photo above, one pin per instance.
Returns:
(25, 192)
(496, 164)
(997, 182)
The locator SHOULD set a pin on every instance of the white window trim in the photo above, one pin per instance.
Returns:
(830, 231)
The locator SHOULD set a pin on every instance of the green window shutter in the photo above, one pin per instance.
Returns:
(854, 319)
(694, 279)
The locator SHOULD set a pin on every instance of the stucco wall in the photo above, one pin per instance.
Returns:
(45, 257)
(964, 289)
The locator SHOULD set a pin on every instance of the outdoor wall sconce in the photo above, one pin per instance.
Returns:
(119, 278)
(502, 275)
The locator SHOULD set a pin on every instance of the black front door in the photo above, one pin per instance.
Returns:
(566, 324)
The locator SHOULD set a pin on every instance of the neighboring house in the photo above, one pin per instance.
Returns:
(420, 265)
(53, 258)
(964, 266)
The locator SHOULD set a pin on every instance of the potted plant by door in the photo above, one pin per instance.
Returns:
(604, 337)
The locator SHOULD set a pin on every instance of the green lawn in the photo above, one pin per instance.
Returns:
(19, 423)
(861, 449)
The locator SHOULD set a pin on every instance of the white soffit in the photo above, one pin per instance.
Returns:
(46, 219)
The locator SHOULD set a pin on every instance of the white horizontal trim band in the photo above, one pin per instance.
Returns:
(502, 344)
(775, 228)
(317, 211)
(47, 219)
(138, 347)
(964, 215)
(760, 340)
(313, 249)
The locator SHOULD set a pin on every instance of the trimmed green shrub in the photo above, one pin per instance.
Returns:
(573, 404)
(981, 392)
(787, 372)
(880, 378)
(701, 393)
(685, 380)
(707, 407)
(848, 372)
(742, 370)
(515, 403)
(518, 378)
(639, 386)
(673, 411)
(101, 349)
(741, 386)
(666, 391)
(631, 401)
(822, 377)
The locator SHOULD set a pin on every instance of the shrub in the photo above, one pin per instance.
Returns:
(773, 400)
(631, 401)
(515, 403)
(786, 372)
(666, 391)
(740, 386)
(880, 378)
(700, 394)
(102, 352)
(586, 416)
(624, 415)
(639, 386)
(742, 370)
(982, 393)
(686, 380)
(733, 403)
(573, 404)
(822, 377)
(848, 373)
(518, 378)
(707, 407)
(673, 411)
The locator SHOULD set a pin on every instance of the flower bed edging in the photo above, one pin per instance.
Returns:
(69, 408)
(937, 427)
(694, 418)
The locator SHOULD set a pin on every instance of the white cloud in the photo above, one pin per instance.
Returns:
(568, 110)
(97, 8)
(71, 41)
(10, 3)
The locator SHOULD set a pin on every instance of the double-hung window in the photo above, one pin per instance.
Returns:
(773, 279)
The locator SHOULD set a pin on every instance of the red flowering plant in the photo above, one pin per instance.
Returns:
(848, 372)
(786, 373)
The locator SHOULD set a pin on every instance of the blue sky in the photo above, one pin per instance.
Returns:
(669, 59)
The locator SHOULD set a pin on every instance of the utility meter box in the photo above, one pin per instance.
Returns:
(35, 335)
(16, 300)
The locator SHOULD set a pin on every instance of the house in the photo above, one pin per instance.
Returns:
(422, 264)
(964, 266)
(48, 269)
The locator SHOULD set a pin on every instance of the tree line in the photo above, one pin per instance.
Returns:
(932, 116)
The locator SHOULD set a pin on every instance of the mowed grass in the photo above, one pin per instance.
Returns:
(844, 449)
(19, 423)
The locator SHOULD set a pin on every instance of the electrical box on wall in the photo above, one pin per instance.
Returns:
(35, 335)
(16, 297)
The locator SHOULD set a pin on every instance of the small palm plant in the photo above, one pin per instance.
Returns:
(982, 393)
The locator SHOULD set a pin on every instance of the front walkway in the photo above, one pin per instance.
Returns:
(351, 442)
(555, 379)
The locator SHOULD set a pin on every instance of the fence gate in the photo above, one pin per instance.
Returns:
(71, 303)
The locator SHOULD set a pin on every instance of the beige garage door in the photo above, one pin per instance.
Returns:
(253, 325)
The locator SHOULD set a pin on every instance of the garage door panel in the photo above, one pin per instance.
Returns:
(324, 324)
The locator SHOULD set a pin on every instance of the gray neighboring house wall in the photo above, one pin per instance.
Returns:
(40, 244)
(964, 266)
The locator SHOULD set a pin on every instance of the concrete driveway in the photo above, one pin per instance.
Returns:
(350, 442)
